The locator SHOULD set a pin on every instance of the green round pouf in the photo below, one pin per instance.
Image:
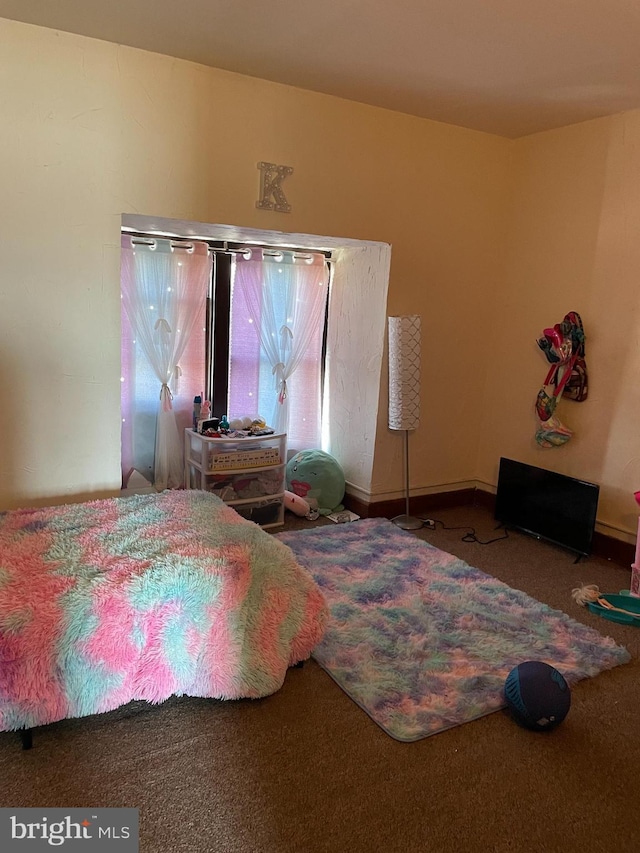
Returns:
(316, 475)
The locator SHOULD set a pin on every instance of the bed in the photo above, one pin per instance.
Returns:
(143, 598)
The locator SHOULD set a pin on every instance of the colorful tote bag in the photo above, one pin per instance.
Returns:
(563, 347)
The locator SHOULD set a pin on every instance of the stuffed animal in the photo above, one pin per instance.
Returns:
(296, 504)
(314, 474)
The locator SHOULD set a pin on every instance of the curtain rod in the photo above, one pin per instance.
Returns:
(226, 251)
(223, 247)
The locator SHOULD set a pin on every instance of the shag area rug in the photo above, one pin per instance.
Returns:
(422, 641)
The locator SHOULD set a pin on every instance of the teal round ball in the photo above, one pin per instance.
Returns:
(537, 695)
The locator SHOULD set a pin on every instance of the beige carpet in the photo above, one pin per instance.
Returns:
(306, 770)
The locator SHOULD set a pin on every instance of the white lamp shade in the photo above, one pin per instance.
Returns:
(404, 372)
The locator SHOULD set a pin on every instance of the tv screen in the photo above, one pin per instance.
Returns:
(547, 505)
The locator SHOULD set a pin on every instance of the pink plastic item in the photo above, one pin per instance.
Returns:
(634, 587)
(296, 504)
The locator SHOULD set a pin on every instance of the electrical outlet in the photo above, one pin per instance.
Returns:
(430, 524)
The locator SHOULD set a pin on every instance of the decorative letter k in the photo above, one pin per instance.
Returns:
(271, 177)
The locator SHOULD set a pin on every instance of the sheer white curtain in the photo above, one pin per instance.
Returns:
(286, 297)
(164, 290)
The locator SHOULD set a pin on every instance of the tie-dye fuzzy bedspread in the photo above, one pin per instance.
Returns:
(146, 597)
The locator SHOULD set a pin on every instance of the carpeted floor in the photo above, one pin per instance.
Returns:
(307, 771)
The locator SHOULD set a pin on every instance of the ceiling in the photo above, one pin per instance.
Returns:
(509, 67)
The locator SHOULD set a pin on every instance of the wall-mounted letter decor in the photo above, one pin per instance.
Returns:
(272, 196)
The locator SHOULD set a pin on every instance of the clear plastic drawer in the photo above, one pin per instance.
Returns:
(233, 486)
(213, 454)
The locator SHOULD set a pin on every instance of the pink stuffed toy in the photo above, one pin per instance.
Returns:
(296, 504)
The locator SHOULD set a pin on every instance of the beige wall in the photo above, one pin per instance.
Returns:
(492, 241)
(573, 245)
(89, 131)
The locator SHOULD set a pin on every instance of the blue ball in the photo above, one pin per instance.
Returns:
(537, 695)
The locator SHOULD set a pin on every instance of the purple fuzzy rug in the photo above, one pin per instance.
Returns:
(422, 641)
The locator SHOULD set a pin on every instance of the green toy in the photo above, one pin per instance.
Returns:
(316, 476)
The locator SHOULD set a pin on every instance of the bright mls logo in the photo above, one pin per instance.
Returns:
(80, 830)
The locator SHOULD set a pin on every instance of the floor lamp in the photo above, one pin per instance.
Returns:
(404, 394)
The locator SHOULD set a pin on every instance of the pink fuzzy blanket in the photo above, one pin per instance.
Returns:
(109, 601)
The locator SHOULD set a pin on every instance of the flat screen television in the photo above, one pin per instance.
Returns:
(547, 505)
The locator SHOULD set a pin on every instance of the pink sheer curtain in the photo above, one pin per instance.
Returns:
(278, 311)
(164, 292)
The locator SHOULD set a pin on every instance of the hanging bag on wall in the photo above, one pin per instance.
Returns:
(577, 385)
(552, 389)
(563, 347)
(552, 432)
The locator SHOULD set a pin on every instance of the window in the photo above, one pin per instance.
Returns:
(268, 332)
(164, 288)
(231, 356)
